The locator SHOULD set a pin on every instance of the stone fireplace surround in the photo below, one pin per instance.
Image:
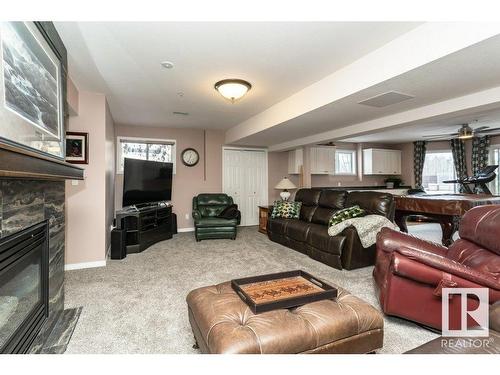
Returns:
(24, 203)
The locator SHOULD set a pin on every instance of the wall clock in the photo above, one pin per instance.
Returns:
(190, 157)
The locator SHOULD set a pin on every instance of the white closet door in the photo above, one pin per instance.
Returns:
(254, 182)
(232, 175)
(245, 179)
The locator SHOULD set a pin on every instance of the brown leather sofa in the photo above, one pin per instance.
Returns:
(411, 272)
(309, 234)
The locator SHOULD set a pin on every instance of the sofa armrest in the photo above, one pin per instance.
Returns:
(389, 240)
(196, 215)
(430, 269)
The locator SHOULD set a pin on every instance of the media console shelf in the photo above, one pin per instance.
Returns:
(144, 227)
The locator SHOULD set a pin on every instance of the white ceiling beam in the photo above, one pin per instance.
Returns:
(420, 46)
(479, 101)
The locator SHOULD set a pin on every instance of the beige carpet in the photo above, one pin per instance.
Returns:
(137, 305)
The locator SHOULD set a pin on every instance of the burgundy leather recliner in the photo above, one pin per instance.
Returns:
(411, 272)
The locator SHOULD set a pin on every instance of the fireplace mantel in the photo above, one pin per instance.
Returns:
(17, 162)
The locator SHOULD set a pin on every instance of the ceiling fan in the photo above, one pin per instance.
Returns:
(331, 144)
(465, 132)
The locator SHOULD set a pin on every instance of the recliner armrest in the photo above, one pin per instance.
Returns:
(426, 267)
(390, 240)
(196, 215)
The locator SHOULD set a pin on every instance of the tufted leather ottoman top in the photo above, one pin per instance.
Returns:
(223, 323)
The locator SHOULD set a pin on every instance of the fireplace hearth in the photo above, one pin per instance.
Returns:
(24, 287)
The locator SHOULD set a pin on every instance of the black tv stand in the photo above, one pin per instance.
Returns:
(145, 225)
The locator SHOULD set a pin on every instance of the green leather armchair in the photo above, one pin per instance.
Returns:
(207, 225)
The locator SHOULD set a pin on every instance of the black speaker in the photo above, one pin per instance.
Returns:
(118, 248)
(174, 223)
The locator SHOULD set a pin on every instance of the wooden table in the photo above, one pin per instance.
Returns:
(446, 209)
(264, 212)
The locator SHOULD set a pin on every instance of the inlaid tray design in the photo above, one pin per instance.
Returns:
(281, 290)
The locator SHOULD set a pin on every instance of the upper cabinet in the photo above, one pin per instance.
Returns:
(378, 161)
(322, 160)
(295, 161)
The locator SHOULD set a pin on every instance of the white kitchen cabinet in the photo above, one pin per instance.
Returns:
(377, 161)
(295, 161)
(322, 160)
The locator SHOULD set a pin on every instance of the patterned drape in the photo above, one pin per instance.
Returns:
(419, 148)
(458, 151)
(480, 155)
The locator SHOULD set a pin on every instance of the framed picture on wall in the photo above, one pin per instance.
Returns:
(77, 147)
(31, 89)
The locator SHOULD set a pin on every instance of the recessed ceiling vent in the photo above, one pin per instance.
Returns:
(180, 113)
(386, 99)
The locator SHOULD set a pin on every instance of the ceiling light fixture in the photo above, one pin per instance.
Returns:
(232, 89)
(167, 64)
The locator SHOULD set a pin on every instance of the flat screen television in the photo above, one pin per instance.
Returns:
(146, 181)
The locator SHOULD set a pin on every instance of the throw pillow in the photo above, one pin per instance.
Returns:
(346, 213)
(230, 212)
(286, 210)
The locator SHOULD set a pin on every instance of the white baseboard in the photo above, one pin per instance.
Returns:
(79, 266)
(182, 230)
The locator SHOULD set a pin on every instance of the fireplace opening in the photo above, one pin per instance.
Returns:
(24, 287)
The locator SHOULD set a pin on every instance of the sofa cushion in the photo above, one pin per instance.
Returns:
(318, 238)
(480, 225)
(215, 222)
(309, 199)
(373, 202)
(332, 199)
(323, 215)
(474, 256)
(297, 230)
(277, 225)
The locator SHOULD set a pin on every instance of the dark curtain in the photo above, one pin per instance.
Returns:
(458, 151)
(419, 148)
(480, 155)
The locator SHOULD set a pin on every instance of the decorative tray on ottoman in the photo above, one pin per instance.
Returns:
(281, 290)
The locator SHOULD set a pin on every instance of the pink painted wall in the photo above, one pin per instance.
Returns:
(90, 203)
(277, 169)
(110, 172)
(72, 98)
(188, 181)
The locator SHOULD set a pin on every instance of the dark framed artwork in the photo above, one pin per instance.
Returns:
(32, 88)
(77, 147)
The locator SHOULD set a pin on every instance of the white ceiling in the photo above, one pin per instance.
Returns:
(421, 130)
(469, 70)
(122, 60)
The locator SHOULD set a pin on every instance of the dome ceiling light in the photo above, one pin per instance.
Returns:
(232, 89)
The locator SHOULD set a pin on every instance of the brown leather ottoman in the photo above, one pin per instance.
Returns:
(223, 323)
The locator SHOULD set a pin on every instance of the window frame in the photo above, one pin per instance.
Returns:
(441, 151)
(354, 162)
(121, 139)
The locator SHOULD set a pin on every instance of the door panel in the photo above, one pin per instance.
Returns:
(245, 179)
